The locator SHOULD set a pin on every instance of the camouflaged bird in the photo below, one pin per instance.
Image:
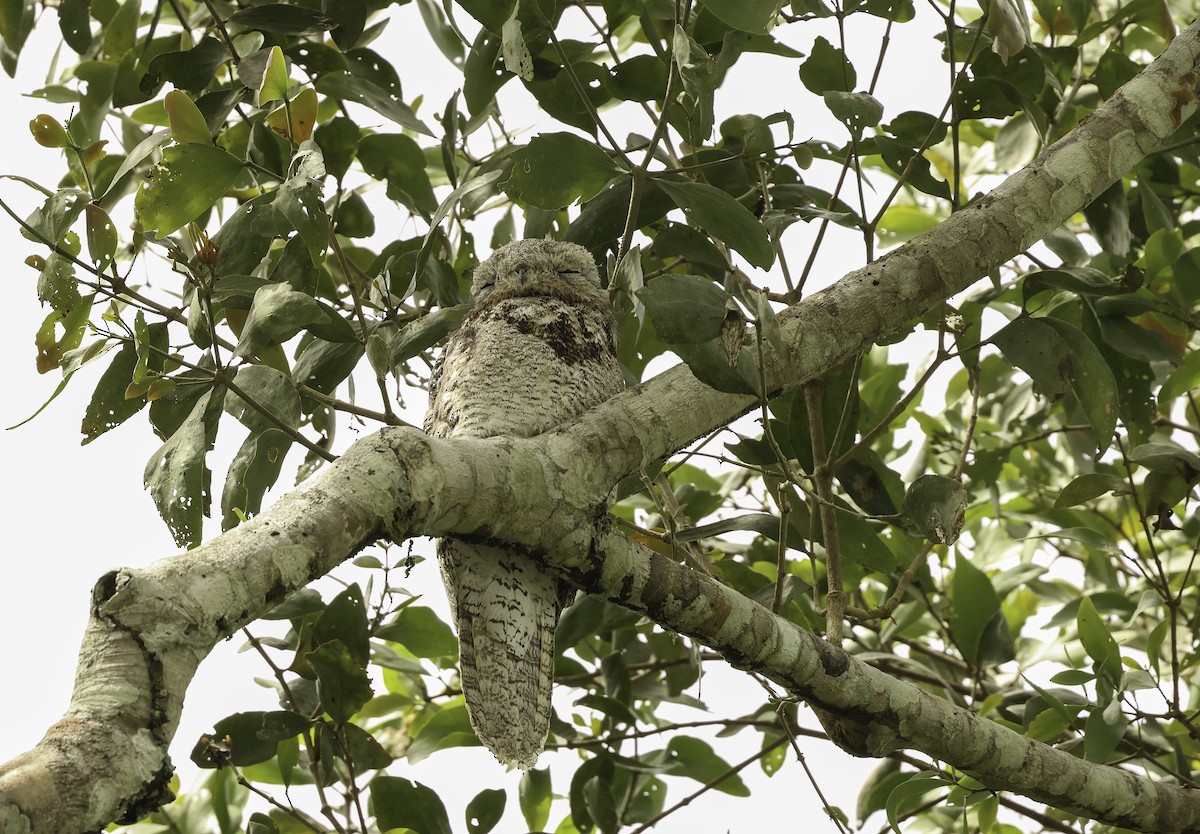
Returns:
(537, 348)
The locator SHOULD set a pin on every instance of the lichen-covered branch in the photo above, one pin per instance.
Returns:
(878, 713)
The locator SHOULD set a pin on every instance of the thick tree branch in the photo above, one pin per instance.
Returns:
(883, 713)
(107, 758)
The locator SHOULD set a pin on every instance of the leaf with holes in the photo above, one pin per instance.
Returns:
(558, 169)
(189, 181)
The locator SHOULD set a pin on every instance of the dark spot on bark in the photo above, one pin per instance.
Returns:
(155, 793)
(834, 660)
(104, 588)
(626, 587)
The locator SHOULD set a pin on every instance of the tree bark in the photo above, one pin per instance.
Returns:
(107, 758)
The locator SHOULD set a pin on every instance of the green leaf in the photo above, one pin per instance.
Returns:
(827, 68)
(187, 123)
(254, 470)
(513, 50)
(323, 365)
(380, 356)
(338, 140)
(1059, 358)
(50, 222)
(905, 795)
(693, 758)
(535, 797)
(482, 75)
(975, 604)
(189, 69)
(1108, 215)
(756, 16)
(344, 86)
(1048, 725)
(426, 332)
(353, 217)
(400, 803)
(345, 620)
(558, 169)
(1088, 486)
(120, 31)
(52, 349)
(420, 631)
(177, 475)
(685, 309)
(1098, 641)
(74, 24)
(857, 111)
(559, 96)
(349, 18)
(298, 206)
(251, 737)
(1072, 677)
(874, 791)
(709, 363)
(362, 752)
(399, 160)
(1183, 379)
(271, 390)
(277, 314)
(1080, 280)
(447, 727)
(108, 407)
(282, 19)
(135, 157)
(1102, 735)
(485, 810)
(101, 237)
(492, 14)
(341, 681)
(937, 507)
(598, 796)
(722, 217)
(1092, 382)
(764, 524)
(638, 78)
(189, 181)
(141, 341)
(599, 767)
(1165, 457)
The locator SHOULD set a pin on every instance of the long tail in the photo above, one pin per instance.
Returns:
(506, 607)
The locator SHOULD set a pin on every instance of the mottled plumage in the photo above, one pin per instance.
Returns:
(537, 348)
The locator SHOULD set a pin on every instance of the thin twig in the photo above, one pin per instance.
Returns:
(709, 785)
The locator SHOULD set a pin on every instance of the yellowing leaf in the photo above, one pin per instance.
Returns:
(187, 124)
(275, 81)
(49, 132)
(295, 120)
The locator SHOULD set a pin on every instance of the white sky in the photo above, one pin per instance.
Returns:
(72, 513)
